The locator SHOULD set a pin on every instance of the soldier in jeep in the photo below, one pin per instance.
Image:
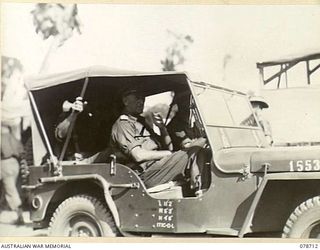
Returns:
(179, 128)
(135, 138)
(258, 104)
(63, 125)
(86, 134)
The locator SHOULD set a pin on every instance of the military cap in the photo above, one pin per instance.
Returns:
(127, 92)
(260, 101)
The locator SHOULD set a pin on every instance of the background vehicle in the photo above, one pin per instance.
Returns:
(292, 86)
(251, 187)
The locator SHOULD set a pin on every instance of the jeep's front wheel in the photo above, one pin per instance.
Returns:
(82, 215)
(304, 222)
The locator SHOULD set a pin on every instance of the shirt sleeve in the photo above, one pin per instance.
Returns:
(123, 135)
(60, 125)
(266, 128)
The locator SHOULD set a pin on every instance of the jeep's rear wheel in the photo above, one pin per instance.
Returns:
(82, 216)
(304, 222)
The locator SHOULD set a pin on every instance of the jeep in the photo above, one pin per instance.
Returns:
(251, 188)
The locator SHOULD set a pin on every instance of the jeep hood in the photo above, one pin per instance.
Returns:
(278, 159)
(286, 159)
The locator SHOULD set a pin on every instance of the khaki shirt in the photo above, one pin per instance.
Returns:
(128, 133)
(266, 127)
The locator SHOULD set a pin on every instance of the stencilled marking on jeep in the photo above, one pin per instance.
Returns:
(304, 165)
(165, 217)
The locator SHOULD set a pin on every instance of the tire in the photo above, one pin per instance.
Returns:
(82, 215)
(304, 222)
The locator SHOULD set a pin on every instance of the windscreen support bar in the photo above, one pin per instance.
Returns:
(46, 139)
(74, 116)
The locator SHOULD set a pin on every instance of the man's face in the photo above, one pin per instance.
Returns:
(257, 109)
(134, 104)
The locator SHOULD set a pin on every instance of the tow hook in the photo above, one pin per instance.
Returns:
(246, 173)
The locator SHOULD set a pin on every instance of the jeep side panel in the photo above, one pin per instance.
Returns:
(220, 209)
(278, 195)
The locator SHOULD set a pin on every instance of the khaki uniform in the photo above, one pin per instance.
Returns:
(129, 132)
(266, 127)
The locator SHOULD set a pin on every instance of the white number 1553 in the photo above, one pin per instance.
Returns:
(304, 165)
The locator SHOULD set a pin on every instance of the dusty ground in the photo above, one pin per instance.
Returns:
(8, 227)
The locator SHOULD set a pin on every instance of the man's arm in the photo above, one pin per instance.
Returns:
(62, 128)
(267, 131)
(139, 154)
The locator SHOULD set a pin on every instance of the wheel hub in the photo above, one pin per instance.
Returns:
(313, 231)
(84, 226)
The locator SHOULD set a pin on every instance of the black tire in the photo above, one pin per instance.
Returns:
(304, 222)
(82, 215)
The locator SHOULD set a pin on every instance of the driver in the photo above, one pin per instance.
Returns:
(153, 153)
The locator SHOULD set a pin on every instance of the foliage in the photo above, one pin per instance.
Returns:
(176, 50)
(57, 20)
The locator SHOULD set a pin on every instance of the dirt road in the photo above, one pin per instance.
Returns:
(8, 227)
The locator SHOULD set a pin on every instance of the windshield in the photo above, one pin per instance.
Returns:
(226, 109)
(228, 118)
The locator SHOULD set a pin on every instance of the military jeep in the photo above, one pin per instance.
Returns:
(251, 189)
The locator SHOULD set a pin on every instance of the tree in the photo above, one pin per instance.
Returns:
(176, 50)
(57, 21)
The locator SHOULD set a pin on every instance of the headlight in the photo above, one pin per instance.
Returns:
(36, 202)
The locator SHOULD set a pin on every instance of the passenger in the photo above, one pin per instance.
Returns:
(184, 135)
(132, 136)
(85, 137)
(61, 130)
(179, 127)
(258, 104)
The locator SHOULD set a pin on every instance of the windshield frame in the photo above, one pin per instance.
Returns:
(256, 139)
(233, 92)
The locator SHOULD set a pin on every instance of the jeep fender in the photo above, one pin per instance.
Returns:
(104, 183)
(268, 179)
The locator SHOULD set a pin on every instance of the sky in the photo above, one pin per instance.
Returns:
(228, 41)
(134, 37)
